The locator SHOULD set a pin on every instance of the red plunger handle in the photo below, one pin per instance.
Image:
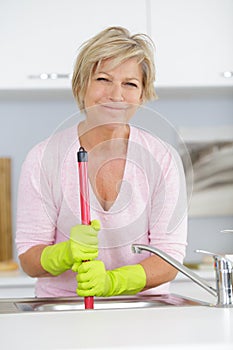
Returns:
(84, 202)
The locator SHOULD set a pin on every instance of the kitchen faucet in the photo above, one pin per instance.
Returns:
(223, 270)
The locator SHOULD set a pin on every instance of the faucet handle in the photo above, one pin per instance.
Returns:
(224, 277)
(225, 262)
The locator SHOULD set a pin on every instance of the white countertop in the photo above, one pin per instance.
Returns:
(15, 278)
(195, 327)
(166, 328)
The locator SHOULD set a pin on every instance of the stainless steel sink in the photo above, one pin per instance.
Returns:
(77, 304)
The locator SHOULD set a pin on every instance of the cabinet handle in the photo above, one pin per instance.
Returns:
(227, 74)
(50, 76)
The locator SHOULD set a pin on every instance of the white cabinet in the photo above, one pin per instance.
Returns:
(40, 39)
(43, 36)
(193, 41)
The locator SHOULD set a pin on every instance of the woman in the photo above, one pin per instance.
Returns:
(137, 187)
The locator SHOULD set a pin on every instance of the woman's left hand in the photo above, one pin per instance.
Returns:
(94, 280)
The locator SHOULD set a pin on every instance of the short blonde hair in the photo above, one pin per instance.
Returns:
(117, 44)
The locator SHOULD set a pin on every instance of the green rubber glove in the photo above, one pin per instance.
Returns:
(94, 280)
(82, 245)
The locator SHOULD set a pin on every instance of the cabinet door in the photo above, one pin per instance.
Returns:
(42, 37)
(193, 42)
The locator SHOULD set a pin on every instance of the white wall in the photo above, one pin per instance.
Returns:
(28, 117)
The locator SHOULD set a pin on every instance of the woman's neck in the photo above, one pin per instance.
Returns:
(91, 137)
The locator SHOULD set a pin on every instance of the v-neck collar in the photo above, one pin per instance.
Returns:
(93, 198)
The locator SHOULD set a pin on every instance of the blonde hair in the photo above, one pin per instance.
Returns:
(117, 44)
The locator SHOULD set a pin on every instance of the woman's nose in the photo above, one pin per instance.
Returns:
(116, 92)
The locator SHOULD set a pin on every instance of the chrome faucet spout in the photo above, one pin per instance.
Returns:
(223, 269)
(138, 248)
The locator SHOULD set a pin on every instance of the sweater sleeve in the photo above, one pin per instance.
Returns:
(36, 212)
(168, 217)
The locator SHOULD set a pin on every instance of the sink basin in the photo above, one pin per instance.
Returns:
(113, 303)
(124, 302)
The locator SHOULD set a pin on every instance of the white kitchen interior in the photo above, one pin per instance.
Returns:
(194, 84)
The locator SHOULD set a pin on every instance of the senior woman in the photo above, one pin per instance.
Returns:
(137, 186)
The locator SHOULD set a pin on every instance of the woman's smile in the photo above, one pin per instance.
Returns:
(116, 91)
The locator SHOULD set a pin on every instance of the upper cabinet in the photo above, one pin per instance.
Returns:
(193, 42)
(40, 39)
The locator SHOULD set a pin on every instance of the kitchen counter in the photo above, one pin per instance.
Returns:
(166, 328)
(15, 278)
(14, 284)
(197, 327)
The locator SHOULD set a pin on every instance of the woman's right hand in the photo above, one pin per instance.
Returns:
(84, 243)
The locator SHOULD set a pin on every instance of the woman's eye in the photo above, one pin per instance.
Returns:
(131, 84)
(102, 79)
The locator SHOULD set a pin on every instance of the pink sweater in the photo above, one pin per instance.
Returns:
(150, 207)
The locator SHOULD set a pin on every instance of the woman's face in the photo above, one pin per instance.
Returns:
(114, 94)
